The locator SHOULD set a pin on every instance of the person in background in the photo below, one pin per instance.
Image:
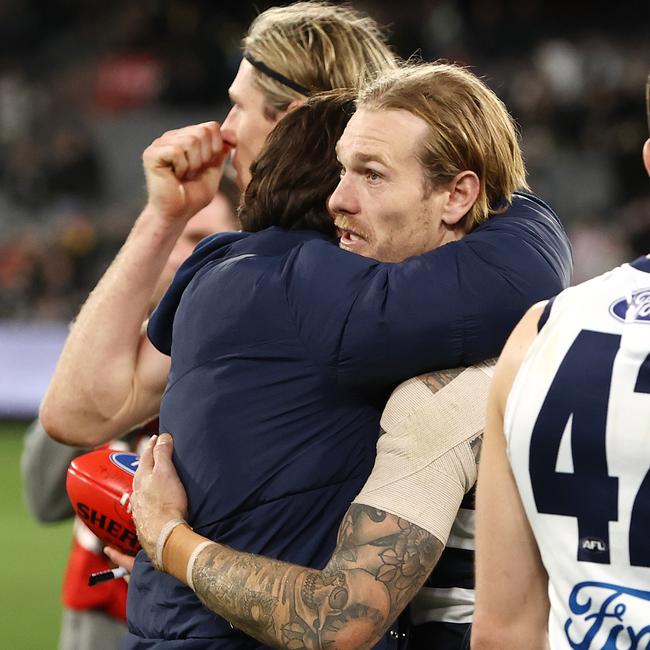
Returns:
(288, 53)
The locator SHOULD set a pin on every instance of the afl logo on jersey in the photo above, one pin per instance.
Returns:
(126, 461)
(638, 310)
(593, 544)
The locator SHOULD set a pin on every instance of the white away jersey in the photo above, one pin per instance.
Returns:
(577, 426)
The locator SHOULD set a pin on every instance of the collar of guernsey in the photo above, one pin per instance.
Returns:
(641, 264)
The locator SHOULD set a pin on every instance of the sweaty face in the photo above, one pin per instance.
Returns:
(380, 206)
(245, 127)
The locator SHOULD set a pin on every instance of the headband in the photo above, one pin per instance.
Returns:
(280, 78)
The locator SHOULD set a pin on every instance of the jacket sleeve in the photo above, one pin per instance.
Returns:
(44, 466)
(454, 306)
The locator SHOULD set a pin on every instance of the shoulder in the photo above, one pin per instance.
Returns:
(515, 350)
(530, 221)
(528, 210)
(214, 245)
(318, 251)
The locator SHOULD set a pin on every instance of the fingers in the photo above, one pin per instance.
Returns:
(162, 451)
(146, 458)
(121, 559)
(187, 151)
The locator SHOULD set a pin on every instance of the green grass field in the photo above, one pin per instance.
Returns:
(33, 558)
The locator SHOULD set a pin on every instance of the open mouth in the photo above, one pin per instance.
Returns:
(348, 236)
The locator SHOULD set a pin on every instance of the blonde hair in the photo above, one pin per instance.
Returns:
(469, 129)
(316, 45)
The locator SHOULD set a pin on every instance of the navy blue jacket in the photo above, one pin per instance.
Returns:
(284, 350)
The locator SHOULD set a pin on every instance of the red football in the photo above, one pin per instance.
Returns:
(99, 485)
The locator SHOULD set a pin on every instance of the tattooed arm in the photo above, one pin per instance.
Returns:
(381, 559)
(379, 564)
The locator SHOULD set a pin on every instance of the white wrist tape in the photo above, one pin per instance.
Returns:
(165, 532)
(192, 561)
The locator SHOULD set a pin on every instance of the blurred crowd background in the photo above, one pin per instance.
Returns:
(86, 85)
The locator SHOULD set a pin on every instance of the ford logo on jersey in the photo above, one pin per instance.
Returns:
(126, 460)
(639, 309)
(601, 614)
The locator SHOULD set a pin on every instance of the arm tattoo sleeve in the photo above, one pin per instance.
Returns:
(379, 564)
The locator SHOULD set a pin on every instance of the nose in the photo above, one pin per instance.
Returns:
(228, 129)
(344, 198)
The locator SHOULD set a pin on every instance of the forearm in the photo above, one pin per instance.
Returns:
(507, 635)
(512, 603)
(94, 385)
(272, 601)
(379, 564)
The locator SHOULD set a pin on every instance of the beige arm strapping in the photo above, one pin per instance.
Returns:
(425, 463)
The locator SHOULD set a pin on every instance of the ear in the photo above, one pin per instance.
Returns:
(646, 156)
(295, 103)
(463, 192)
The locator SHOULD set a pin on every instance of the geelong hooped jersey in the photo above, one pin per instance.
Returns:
(577, 425)
(448, 594)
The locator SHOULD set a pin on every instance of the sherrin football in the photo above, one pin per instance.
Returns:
(99, 486)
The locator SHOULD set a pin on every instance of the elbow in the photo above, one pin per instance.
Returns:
(487, 632)
(352, 641)
(79, 425)
(59, 425)
(53, 422)
(492, 636)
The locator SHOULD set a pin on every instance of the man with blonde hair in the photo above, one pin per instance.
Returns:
(279, 70)
(290, 53)
(411, 176)
(183, 169)
(310, 46)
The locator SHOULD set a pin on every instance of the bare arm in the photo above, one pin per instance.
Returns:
(109, 378)
(512, 605)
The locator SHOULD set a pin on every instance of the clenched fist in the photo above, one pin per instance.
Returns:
(183, 169)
